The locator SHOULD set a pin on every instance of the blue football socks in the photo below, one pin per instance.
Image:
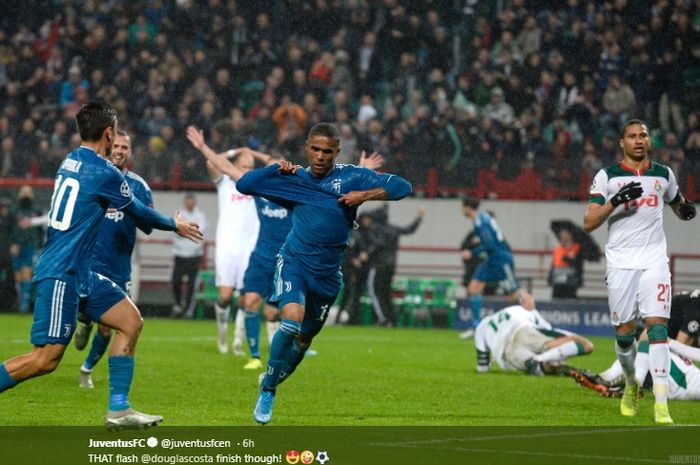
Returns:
(121, 372)
(279, 350)
(97, 349)
(5, 381)
(293, 359)
(252, 332)
(475, 304)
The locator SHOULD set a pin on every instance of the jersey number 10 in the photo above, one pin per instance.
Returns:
(61, 211)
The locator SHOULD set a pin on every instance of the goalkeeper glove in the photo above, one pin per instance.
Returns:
(628, 192)
(687, 210)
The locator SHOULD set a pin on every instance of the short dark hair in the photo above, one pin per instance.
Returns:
(471, 202)
(628, 124)
(93, 118)
(329, 130)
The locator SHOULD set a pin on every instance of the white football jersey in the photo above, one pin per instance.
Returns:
(636, 238)
(684, 382)
(494, 331)
(238, 224)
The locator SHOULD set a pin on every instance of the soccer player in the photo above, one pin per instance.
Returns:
(112, 255)
(275, 223)
(497, 264)
(325, 197)
(519, 338)
(86, 185)
(236, 234)
(630, 195)
(683, 383)
(683, 331)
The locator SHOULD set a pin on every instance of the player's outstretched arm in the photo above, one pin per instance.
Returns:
(153, 218)
(196, 138)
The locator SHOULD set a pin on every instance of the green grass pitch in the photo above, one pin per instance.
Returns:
(362, 376)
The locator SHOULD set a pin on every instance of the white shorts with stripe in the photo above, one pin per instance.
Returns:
(633, 292)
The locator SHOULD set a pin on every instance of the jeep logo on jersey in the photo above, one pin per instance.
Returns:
(651, 201)
(124, 189)
(115, 215)
(279, 213)
(335, 185)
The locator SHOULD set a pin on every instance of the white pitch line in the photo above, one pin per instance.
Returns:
(511, 436)
(606, 458)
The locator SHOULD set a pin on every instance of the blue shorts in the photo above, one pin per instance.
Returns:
(501, 271)
(259, 275)
(25, 259)
(58, 303)
(293, 284)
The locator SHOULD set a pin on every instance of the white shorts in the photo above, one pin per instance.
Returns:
(644, 292)
(524, 344)
(231, 269)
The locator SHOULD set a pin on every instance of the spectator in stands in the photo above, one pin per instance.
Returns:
(188, 257)
(514, 48)
(619, 103)
(70, 85)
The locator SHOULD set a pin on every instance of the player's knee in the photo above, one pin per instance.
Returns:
(132, 325)
(587, 346)
(624, 341)
(658, 333)
(251, 303)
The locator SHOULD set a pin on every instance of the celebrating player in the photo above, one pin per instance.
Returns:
(325, 197)
(87, 184)
(275, 223)
(112, 256)
(630, 195)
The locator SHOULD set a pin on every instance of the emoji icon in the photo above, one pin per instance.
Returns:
(292, 457)
(307, 457)
(322, 457)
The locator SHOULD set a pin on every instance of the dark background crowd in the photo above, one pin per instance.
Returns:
(443, 89)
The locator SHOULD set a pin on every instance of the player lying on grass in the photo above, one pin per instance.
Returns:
(519, 338)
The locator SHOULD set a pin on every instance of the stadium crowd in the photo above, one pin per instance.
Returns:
(442, 87)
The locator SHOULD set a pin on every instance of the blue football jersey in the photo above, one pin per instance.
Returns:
(491, 238)
(86, 185)
(275, 223)
(320, 225)
(115, 243)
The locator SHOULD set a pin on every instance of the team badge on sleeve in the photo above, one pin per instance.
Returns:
(124, 189)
